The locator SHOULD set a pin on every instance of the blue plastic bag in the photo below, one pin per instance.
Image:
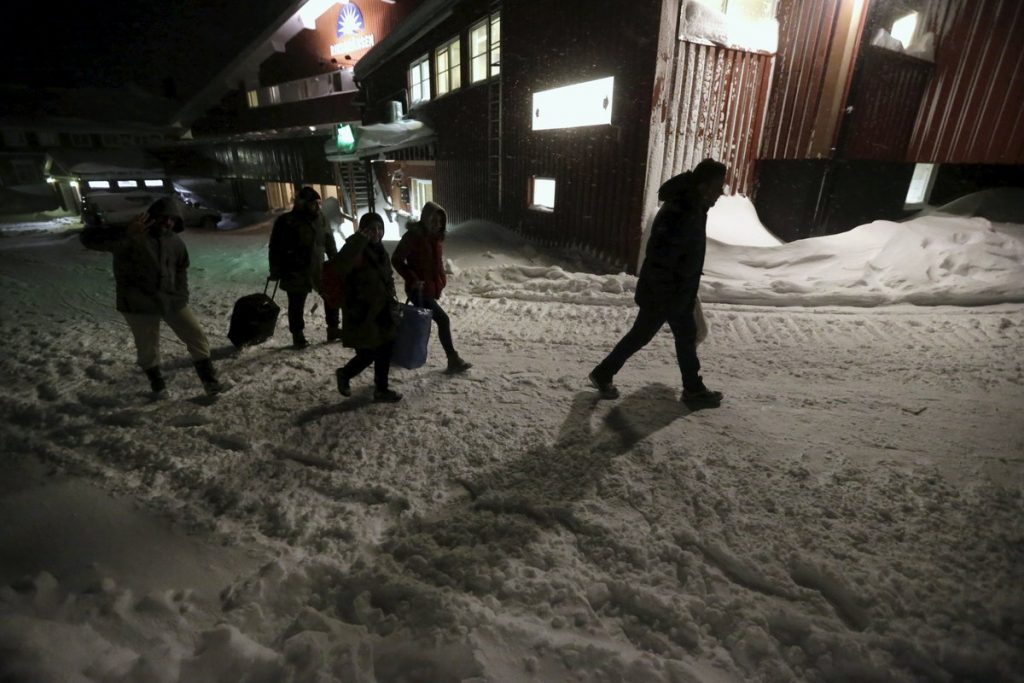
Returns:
(411, 339)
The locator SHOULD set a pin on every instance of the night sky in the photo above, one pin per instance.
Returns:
(115, 42)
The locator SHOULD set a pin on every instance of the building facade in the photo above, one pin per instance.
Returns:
(825, 111)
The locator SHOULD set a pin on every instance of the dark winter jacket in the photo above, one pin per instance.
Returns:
(368, 308)
(298, 244)
(674, 260)
(419, 257)
(150, 268)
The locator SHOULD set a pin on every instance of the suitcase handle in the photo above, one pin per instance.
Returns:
(272, 294)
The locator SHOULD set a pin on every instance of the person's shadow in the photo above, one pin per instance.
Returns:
(510, 506)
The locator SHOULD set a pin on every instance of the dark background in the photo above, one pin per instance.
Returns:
(166, 48)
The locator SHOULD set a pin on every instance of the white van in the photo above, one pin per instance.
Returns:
(116, 203)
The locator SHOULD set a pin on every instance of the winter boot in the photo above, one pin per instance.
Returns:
(333, 334)
(386, 396)
(699, 396)
(212, 385)
(457, 365)
(344, 383)
(604, 387)
(156, 382)
(299, 341)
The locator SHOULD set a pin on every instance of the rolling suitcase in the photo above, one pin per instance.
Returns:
(254, 318)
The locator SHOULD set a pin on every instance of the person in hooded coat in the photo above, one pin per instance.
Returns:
(299, 243)
(151, 282)
(369, 308)
(419, 259)
(666, 290)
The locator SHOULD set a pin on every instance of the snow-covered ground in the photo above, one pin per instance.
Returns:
(852, 512)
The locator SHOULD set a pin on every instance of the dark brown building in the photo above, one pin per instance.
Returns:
(579, 113)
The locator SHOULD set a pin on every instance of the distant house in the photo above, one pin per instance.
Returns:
(561, 119)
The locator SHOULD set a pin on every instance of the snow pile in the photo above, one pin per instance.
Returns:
(839, 518)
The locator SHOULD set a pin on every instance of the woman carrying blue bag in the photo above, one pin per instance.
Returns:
(368, 308)
(419, 259)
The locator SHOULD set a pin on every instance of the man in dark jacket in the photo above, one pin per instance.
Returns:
(669, 280)
(298, 243)
(151, 276)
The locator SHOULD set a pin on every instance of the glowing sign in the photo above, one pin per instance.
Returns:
(345, 138)
(350, 30)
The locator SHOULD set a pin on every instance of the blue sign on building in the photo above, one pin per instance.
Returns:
(350, 20)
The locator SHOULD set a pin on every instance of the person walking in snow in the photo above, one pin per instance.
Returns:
(419, 259)
(151, 282)
(669, 280)
(368, 309)
(298, 244)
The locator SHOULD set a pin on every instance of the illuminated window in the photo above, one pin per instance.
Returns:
(127, 183)
(746, 9)
(420, 192)
(419, 80)
(485, 48)
(572, 106)
(448, 67)
(98, 185)
(542, 193)
(903, 29)
(920, 185)
(153, 183)
(253, 97)
(495, 44)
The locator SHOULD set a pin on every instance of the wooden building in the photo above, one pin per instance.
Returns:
(561, 119)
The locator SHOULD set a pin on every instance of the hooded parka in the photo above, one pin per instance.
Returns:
(368, 308)
(674, 260)
(419, 256)
(150, 267)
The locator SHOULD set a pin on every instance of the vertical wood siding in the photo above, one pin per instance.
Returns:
(806, 30)
(971, 111)
(715, 108)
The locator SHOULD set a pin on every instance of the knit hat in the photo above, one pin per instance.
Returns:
(166, 207)
(307, 194)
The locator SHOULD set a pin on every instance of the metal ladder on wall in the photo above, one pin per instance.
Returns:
(494, 150)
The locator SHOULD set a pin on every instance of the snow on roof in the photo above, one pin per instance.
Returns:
(382, 137)
(103, 163)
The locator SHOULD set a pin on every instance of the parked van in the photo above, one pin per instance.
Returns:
(117, 202)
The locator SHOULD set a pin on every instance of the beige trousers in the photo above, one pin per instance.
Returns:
(146, 330)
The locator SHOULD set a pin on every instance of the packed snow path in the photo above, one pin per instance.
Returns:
(853, 511)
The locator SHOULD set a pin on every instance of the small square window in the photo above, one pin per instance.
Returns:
(542, 193)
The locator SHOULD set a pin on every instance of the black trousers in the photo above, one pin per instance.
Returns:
(296, 305)
(444, 323)
(379, 356)
(646, 325)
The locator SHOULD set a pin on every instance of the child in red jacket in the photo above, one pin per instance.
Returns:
(419, 260)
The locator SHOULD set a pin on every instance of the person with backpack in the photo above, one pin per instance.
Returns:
(151, 283)
(369, 316)
(419, 259)
(299, 242)
(666, 290)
